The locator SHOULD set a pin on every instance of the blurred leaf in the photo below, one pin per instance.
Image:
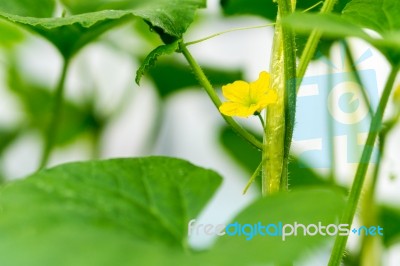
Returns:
(333, 26)
(265, 9)
(28, 8)
(7, 136)
(9, 34)
(37, 103)
(378, 15)
(381, 16)
(300, 174)
(151, 58)
(389, 219)
(165, 69)
(71, 33)
(86, 6)
(243, 153)
(115, 212)
(268, 10)
(287, 208)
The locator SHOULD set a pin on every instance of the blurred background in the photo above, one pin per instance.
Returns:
(107, 115)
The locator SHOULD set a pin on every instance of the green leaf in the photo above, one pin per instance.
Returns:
(379, 15)
(151, 58)
(298, 206)
(266, 9)
(115, 212)
(37, 103)
(7, 136)
(300, 174)
(333, 26)
(28, 8)
(69, 34)
(389, 219)
(87, 6)
(10, 35)
(162, 72)
(244, 154)
(269, 9)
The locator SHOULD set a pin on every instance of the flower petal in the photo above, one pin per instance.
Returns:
(237, 109)
(260, 86)
(237, 91)
(269, 98)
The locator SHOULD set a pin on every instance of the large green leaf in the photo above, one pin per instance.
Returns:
(298, 206)
(116, 212)
(70, 33)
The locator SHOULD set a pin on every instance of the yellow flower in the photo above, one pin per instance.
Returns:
(245, 99)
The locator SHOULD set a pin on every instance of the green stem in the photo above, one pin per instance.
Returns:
(274, 132)
(280, 116)
(286, 7)
(253, 177)
(51, 134)
(331, 129)
(369, 212)
(357, 77)
(311, 45)
(355, 192)
(368, 252)
(215, 99)
(227, 31)
(261, 120)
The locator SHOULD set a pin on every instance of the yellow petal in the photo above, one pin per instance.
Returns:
(237, 109)
(269, 98)
(260, 86)
(237, 91)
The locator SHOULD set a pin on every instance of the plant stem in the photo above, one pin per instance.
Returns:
(280, 116)
(253, 177)
(357, 77)
(355, 192)
(228, 31)
(331, 129)
(311, 45)
(52, 130)
(261, 120)
(274, 133)
(286, 7)
(369, 212)
(203, 80)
